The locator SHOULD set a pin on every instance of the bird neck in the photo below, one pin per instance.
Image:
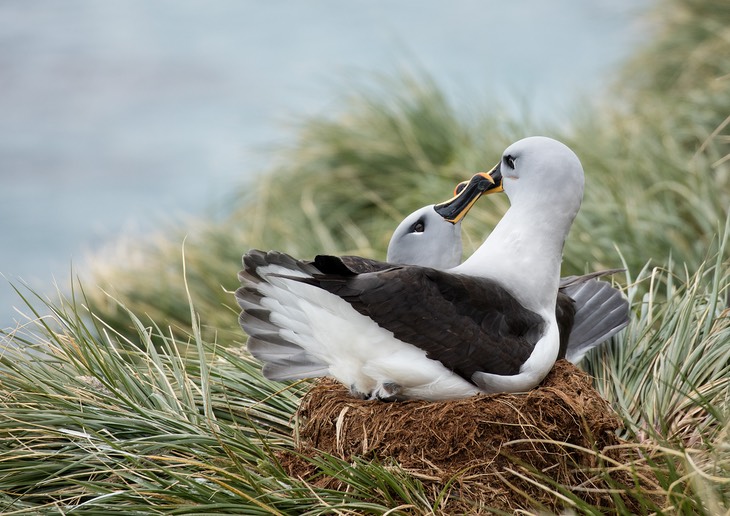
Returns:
(524, 253)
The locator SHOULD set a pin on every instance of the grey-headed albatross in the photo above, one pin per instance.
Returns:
(487, 325)
(588, 311)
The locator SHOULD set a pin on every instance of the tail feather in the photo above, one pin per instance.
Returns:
(255, 322)
(601, 312)
(271, 347)
(293, 370)
(283, 359)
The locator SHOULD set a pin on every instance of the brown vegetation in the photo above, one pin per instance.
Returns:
(495, 451)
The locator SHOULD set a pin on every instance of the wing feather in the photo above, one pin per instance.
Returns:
(468, 324)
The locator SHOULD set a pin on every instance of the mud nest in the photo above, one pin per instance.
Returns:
(534, 450)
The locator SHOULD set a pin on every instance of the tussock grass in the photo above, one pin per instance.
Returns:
(670, 371)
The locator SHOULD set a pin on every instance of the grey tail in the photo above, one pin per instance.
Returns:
(601, 311)
(283, 359)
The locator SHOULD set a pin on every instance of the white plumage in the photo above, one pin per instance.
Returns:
(413, 332)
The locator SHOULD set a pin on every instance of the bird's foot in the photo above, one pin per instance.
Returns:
(357, 393)
(387, 391)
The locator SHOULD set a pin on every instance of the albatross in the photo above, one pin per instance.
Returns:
(590, 311)
(414, 332)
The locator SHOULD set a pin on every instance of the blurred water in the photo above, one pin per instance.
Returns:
(116, 115)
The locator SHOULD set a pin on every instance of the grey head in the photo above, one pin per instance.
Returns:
(431, 236)
(425, 238)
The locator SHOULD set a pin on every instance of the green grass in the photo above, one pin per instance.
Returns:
(670, 371)
(136, 397)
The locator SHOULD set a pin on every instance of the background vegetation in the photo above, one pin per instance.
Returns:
(134, 399)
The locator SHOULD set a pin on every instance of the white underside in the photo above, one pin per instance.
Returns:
(364, 356)
(532, 371)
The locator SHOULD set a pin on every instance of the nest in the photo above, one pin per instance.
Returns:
(539, 449)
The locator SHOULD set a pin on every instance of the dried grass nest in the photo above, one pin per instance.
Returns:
(500, 451)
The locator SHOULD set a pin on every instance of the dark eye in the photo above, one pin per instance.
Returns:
(418, 227)
(510, 162)
(460, 187)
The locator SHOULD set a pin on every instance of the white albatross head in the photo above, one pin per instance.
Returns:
(431, 236)
(538, 170)
(425, 238)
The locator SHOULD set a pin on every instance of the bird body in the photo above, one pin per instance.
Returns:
(487, 325)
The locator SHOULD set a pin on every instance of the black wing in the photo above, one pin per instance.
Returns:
(565, 316)
(348, 265)
(468, 324)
